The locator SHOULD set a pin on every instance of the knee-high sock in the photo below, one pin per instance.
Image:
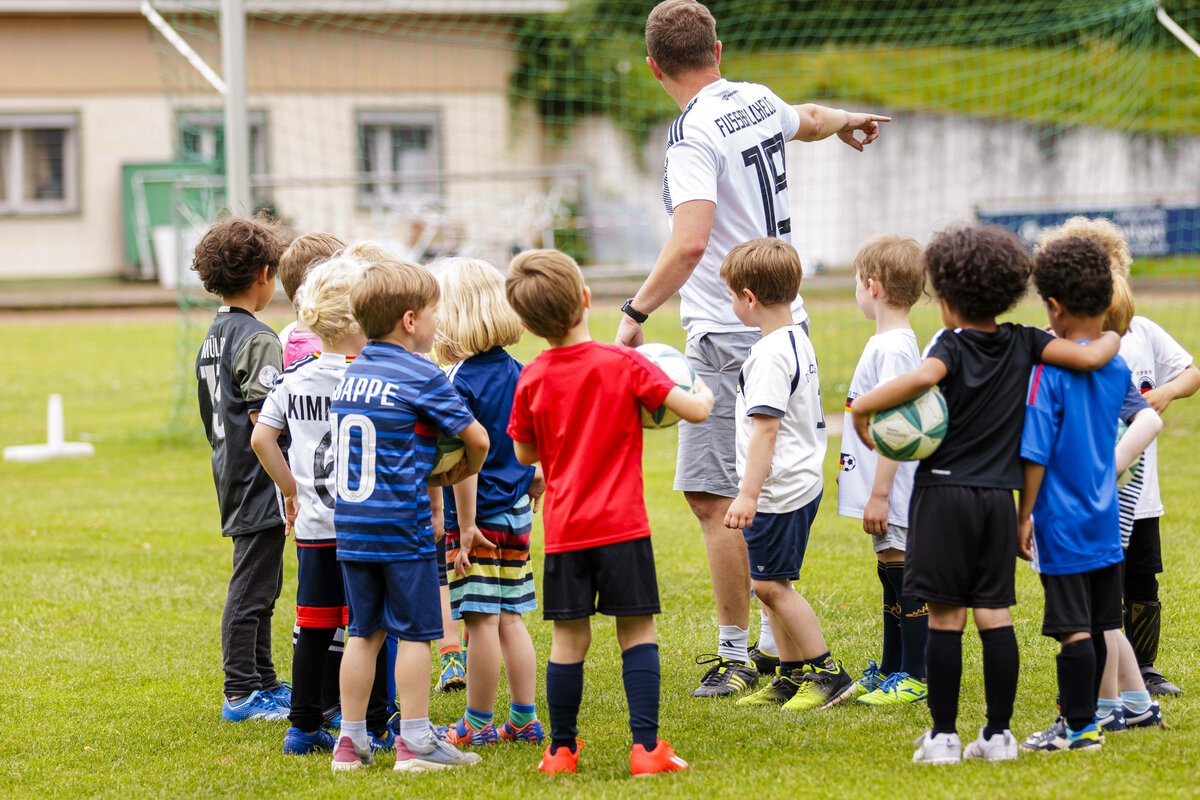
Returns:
(1001, 667)
(914, 625)
(1076, 679)
(893, 643)
(642, 675)
(943, 663)
(564, 693)
(309, 674)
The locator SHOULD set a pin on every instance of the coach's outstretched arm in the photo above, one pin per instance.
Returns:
(820, 122)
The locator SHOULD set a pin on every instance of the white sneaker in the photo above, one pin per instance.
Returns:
(944, 748)
(1001, 747)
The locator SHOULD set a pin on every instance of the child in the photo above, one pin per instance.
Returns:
(780, 446)
(237, 365)
(489, 516)
(299, 403)
(385, 416)
(1162, 371)
(300, 256)
(889, 277)
(577, 410)
(962, 539)
(1068, 521)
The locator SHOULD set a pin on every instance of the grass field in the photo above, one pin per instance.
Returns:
(114, 575)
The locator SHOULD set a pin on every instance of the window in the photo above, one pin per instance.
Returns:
(38, 164)
(202, 139)
(399, 158)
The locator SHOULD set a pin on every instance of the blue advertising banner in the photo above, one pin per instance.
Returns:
(1150, 230)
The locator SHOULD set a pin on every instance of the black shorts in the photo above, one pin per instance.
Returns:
(617, 580)
(1085, 602)
(320, 597)
(1144, 554)
(962, 546)
(443, 569)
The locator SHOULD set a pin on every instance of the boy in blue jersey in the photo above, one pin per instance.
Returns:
(1068, 523)
(385, 416)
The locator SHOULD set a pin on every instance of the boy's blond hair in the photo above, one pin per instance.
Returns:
(323, 300)
(545, 288)
(473, 315)
(769, 267)
(370, 251)
(1120, 310)
(304, 252)
(897, 263)
(387, 290)
(1100, 230)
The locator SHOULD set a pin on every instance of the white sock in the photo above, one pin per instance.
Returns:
(1137, 702)
(766, 636)
(357, 732)
(417, 734)
(732, 645)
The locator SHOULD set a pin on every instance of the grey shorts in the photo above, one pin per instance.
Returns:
(707, 458)
(896, 538)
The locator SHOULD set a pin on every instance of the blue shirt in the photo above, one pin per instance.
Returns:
(1071, 429)
(487, 382)
(385, 416)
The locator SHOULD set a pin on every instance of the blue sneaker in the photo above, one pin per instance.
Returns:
(298, 743)
(386, 742)
(334, 722)
(282, 695)
(454, 673)
(1151, 717)
(394, 723)
(256, 705)
(871, 679)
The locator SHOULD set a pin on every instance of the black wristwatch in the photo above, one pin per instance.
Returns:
(633, 313)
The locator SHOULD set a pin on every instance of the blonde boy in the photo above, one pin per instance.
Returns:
(301, 255)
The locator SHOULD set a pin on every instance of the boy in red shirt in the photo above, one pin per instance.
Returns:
(578, 410)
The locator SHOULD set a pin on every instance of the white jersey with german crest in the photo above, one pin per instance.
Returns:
(728, 147)
(300, 403)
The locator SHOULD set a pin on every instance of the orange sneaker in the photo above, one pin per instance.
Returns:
(661, 759)
(561, 760)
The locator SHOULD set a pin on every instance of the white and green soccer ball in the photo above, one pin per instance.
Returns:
(450, 450)
(910, 431)
(672, 362)
(1126, 475)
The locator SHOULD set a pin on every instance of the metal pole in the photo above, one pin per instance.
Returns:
(237, 130)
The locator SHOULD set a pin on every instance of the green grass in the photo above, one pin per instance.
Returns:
(114, 575)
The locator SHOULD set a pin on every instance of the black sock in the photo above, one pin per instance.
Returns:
(943, 662)
(564, 694)
(309, 670)
(1001, 666)
(914, 625)
(642, 675)
(893, 643)
(1101, 649)
(331, 690)
(1076, 677)
(825, 661)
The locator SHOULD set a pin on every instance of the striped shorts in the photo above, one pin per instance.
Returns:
(499, 580)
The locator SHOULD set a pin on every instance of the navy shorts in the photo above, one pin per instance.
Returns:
(443, 569)
(617, 580)
(399, 597)
(776, 542)
(320, 597)
(1085, 602)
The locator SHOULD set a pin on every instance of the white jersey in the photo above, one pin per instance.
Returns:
(779, 379)
(1154, 358)
(886, 355)
(728, 147)
(300, 403)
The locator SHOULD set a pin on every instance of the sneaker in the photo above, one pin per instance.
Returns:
(256, 705)
(1000, 747)
(333, 722)
(781, 689)
(942, 748)
(765, 663)
(298, 743)
(461, 733)
(382, 743)
(900, 688)
(440, 755)
(394, 723)
(654, 762)
(282, 695)
(1146, 719)
(561, 760)
(454, 673)
(724, 677)
(531, 731)
(871, 679)
(820, 688)
(1059, 737)
(347, 756)
(1157, 684)
(1089, 738)
(1111, 720)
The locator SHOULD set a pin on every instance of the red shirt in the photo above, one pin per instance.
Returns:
(581, 407)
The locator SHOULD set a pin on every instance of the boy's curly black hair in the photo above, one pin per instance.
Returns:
(1077, 273)
(234, 250)
(980, 271)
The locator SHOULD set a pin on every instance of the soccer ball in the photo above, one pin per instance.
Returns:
(672, 362)
(1126, 475)
(450, 450)
(910, 431)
